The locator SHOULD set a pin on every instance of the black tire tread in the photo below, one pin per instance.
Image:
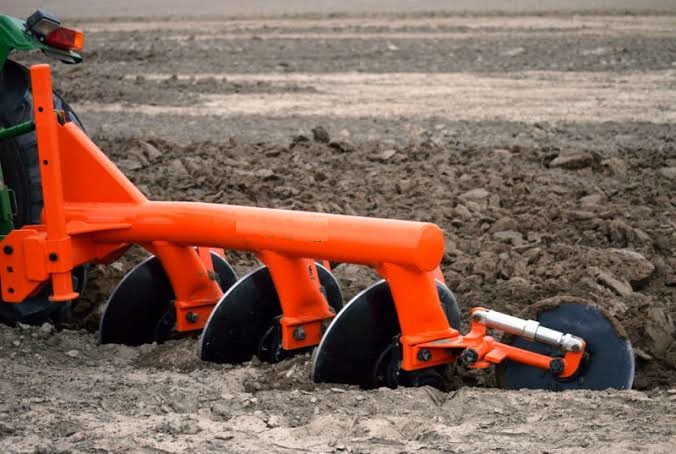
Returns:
(19, 156)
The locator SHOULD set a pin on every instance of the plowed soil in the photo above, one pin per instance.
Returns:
(543, 146)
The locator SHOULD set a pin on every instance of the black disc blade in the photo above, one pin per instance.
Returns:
(136, 305)
(610, 361)
(450, 305)
(247, 312)
(240, 319)
(225, 274)
(137, 310)
(330, 287)
(365, 328)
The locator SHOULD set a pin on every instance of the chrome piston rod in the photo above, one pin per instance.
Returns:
(528, 329)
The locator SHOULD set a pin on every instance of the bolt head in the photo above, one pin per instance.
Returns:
(299, 333)
(191, 317)
(556, 366)
(467, 357)
(424, 354)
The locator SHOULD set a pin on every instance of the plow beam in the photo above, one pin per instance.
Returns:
(351, 239)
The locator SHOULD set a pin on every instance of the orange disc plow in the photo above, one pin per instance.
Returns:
(399, 331)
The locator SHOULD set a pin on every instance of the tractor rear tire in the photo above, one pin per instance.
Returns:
(19, 161)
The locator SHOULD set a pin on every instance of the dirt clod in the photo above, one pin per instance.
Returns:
(605, 278)
(572, 160)
(628, 264)
(46, 330)
(320, 134)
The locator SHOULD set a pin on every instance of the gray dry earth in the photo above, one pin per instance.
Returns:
(542, 145)
(266, 8)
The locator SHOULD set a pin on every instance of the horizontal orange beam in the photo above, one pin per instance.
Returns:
(294, 233)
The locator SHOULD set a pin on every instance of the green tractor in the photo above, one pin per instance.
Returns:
(20, 190)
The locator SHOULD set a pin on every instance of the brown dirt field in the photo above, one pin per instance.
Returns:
(543, 146)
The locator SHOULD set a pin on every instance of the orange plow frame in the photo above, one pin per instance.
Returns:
(93, 213)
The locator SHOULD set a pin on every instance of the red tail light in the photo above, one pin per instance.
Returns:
(65, 38)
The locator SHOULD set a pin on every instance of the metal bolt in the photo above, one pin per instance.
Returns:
(556, 366)
(299, 333)
(468, 356)
(53, 257)
(8, 250)
(424, 354)
(191, 317)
